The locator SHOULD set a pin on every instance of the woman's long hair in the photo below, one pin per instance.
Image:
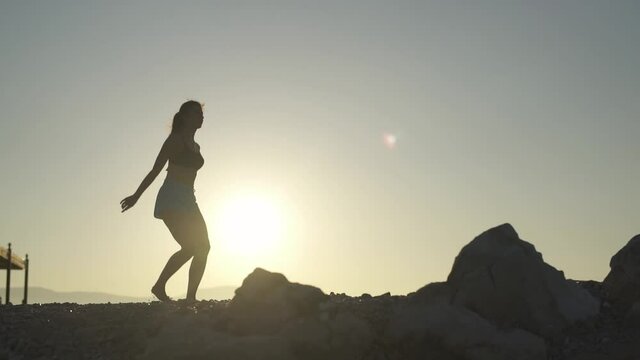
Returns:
(178, 118)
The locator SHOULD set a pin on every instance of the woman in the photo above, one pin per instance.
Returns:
(176, 203)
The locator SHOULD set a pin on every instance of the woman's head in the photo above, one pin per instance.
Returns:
(189, 116)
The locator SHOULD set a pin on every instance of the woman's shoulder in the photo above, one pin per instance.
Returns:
(174, 142)
(177, 138)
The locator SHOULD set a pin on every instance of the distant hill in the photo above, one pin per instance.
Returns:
(43, 295)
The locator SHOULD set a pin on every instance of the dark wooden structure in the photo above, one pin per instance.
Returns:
(10, 262)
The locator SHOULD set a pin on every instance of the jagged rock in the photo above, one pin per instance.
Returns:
(505, 280)
(593, 287)
(622, 284)
(351, 337)
(429, 325)
(632, 316)
(438, 292)
(438, 330)
(267, 300)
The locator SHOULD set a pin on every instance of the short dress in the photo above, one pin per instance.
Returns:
(174, 197)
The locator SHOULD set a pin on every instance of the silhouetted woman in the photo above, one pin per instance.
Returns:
(176, 203)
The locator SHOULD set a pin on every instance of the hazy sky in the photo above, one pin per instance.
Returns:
(503, 111)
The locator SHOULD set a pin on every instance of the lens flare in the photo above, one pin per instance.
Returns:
(389, 140)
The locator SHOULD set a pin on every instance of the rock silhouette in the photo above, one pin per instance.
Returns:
(622, 285)
(504, 279)
(266, 301)
(500, 301)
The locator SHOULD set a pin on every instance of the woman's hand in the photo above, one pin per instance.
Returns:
(128, 202)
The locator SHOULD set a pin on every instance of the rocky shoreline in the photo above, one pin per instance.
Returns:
(500, 301)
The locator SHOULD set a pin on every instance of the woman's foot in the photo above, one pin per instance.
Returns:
(187, 301)
(160, 293)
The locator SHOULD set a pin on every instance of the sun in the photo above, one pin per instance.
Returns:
(249, 224)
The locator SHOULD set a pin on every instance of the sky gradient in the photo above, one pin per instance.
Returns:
(503, 111)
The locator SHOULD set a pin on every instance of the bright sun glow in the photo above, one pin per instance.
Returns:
(249, 225)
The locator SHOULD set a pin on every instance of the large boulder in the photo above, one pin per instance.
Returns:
(505, 280)
(267, 300)
(622, 284)
(442, 331)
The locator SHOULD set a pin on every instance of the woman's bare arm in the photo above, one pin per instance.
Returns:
(170, 147)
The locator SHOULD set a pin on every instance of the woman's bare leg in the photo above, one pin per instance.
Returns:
(201, 251)
(180, 232)
(174, 264)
